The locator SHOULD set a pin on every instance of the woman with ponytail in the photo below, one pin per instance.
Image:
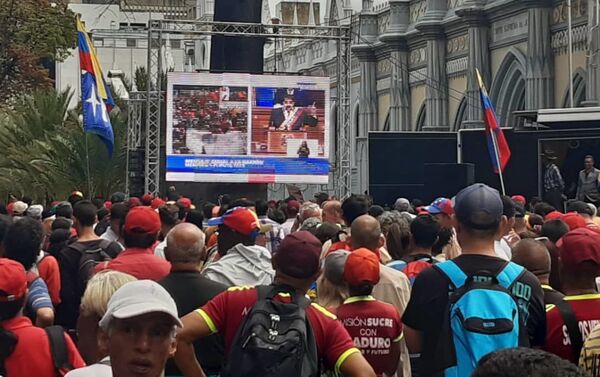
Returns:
(24, 348)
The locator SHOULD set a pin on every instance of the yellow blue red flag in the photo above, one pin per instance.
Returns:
(96, 99)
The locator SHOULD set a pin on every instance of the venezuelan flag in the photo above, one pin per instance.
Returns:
(97, 101)
(497, 145)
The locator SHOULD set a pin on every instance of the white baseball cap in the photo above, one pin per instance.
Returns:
(137, 298)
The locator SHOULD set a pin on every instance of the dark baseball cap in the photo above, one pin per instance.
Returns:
(579, 207)
(298, 255)
(479, 207)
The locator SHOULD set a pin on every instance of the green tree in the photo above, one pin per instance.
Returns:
(45, 153)
(32, 32)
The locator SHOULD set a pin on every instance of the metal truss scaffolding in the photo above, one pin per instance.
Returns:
(158, 33)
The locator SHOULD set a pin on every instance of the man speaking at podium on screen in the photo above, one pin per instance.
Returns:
(291, 118)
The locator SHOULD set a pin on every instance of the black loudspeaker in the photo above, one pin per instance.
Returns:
(136, 171)
(233, 53)
(448, 179)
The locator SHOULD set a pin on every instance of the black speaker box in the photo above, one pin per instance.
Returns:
(237, 53)
(448, 179)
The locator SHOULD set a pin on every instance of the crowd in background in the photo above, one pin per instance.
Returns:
(157, 286)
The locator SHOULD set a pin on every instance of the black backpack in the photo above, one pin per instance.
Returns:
(90, 258)
(275, 339)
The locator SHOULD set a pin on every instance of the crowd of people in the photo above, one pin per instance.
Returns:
(480, 285)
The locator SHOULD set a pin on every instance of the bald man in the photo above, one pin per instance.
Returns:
(190, 290)
(393, 287)
(332, 212)
(534, 256)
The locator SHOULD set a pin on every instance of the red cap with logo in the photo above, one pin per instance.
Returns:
(362, 266)
(440, 205)
(240, 219)
(578, 246)
(13, 282)
(142, 220)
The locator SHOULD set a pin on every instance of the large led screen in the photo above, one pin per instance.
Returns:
(247, 128)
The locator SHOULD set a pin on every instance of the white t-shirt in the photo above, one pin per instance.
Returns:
(502, 249)
(100, 369)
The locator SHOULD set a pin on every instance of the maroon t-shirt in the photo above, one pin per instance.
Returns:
(374, 326)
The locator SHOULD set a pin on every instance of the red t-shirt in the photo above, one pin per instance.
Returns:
(587, 312)
(140, 263)
(374, 326)
(50, 272)
(225, 312)
(32, 356)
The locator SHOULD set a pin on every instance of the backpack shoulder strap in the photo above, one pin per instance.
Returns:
(105, 244)
(77, 246)
(568, 316)
(58, 349)
(454, 273)
(509, 274)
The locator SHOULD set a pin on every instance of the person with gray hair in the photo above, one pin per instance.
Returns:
(308, 210)
(186, 250)
(138, 329)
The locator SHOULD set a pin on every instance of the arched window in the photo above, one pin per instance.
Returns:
(579, 87)
(508, 89)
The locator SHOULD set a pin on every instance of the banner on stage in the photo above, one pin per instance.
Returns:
(247, 128)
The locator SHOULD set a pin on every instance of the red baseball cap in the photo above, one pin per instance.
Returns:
(142, 219)
(240, 219)
(578, 246)
(294, 204)
(134, 202)
(440, 205)
(554, 215)
(362, 266)
(157, 202)
(13, 282)
(573, 220)
(185, 202)
(299, 255)
(519, 199)
(147, 199)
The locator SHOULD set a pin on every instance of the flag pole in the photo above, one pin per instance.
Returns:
(87, 158)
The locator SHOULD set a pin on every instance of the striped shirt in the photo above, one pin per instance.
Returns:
(38, 297)
(589, 360)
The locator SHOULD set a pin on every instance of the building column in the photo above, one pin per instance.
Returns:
(436, 97)
(472, 13)
(592, 86)
(399, 86)
(539, 78)
(367, 111)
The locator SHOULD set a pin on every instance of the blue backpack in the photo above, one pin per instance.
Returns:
(483, 315)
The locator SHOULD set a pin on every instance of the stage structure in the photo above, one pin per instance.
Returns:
(146, 108)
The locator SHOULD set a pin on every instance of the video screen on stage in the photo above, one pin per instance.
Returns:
(247, 128)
